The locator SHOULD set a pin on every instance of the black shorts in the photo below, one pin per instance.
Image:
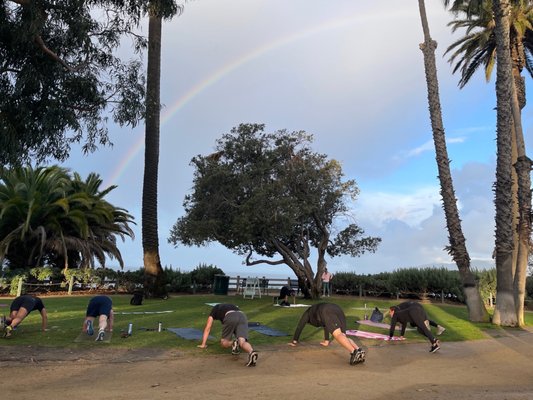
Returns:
(99, 305)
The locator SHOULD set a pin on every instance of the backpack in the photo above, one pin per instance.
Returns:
(377, 316)
(137, 299)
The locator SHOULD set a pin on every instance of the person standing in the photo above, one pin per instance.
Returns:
(332, 319)
(234, 331)
(100, 307)
(326, 282)
(20, 308)
(414, 314)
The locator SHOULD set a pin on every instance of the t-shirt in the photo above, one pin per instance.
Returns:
(219, 311)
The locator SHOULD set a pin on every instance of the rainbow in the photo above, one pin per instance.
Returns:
(231, 66)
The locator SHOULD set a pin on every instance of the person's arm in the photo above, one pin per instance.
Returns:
(325, 342)
(207, 329)
(44, 318)
(300, 327)
(404, 327)
(111, 320)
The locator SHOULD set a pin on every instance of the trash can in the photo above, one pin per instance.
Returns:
(221, 284)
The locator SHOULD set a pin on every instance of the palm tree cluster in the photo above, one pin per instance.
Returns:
(50, 217)
(500, 33)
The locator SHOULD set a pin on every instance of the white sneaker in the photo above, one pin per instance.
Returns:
(440, 330)
(235, 348)
(100, 337)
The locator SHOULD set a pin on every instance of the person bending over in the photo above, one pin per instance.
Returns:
(20, 308)
(100, 307)
(234, 331)
(332, 319)
(414, 314)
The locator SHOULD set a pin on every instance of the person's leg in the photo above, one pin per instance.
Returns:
(102, 322)
(17, 316)
(344, 341)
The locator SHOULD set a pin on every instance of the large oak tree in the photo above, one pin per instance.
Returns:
(271, 199)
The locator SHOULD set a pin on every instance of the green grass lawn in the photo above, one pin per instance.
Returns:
(66, 314)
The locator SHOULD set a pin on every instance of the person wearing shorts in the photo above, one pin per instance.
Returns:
(332, 319)
(234, 331)
(100, 307)
(20, 308)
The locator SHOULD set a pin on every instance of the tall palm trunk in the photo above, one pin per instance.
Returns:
(153, 272)
(457, 248)
(505, 312)
(522, 182)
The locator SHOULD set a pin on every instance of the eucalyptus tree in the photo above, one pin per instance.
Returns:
(59, 78)
(457, 247)
(269, 198)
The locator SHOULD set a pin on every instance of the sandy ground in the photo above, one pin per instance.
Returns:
(498, 368)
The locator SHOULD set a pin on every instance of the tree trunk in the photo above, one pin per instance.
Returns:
(457, 248)
(522, 182)
(153, 272)
(505, 311)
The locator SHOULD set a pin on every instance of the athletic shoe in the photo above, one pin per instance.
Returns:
(357, 356)
(440, 330)
(235, 348)
(7, 331)
(100, 336)
(90, 329)
(252, 359)
(434, 347)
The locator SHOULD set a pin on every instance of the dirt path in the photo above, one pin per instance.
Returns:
(497, 368)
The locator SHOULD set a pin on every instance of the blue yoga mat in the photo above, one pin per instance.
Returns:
(189, 333)
(265, 330)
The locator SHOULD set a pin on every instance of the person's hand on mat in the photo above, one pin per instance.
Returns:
(325, 343)
(202, 346)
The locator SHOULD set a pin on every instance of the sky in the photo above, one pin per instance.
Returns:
(349, 72)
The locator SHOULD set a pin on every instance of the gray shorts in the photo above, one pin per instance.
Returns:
(235, 323)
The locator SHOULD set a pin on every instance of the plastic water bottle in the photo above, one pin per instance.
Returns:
(159, 327)
(130, 328)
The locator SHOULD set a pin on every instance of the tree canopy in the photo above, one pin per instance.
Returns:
(59, 78)
(266, 195)
(50, 217)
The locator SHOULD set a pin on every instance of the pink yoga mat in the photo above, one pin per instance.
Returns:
(371, 335)
(378, 324)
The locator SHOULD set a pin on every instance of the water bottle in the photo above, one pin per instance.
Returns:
(130, 328)
(159, 327)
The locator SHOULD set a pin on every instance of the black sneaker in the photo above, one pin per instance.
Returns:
(235, 348)
(357, 356)
(434, 347)
(252, 359)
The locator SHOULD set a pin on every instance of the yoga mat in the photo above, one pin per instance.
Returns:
(83, 337)
(143, 312)
(265, 330)
(379, 324)
(293, 305)
(189, 333)
(371, 335)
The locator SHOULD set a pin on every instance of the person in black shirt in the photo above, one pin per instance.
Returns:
(332, 319)
(414, 314)
(20, 308)
(284, 294)
(234, 324)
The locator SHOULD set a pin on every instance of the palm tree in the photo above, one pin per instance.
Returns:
(153, 272)
(475, 50)
(46, 216)
(457, 247)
